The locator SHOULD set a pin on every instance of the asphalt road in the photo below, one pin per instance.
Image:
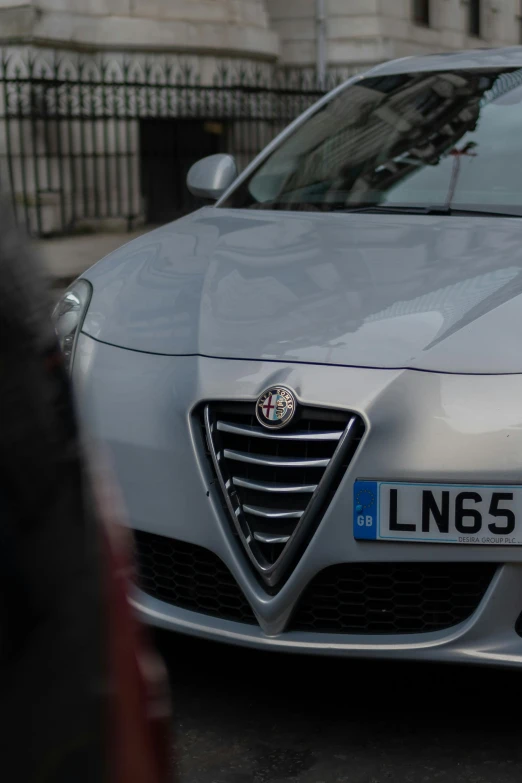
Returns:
(249, 717)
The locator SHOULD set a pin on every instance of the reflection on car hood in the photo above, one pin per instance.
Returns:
(389, 291)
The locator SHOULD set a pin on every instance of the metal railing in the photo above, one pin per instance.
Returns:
(86, 139)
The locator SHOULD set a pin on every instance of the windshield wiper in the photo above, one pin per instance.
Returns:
(299, 206)
(395, 209)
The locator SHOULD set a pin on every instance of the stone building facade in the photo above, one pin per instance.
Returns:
(104, 104)
(358, 32)
(362, 33)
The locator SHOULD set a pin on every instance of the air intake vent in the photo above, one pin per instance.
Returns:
(391, 598)
(189, 576)
(277, 485)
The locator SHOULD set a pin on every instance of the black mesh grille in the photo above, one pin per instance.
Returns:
(391, 597)
(374, 598)
(190, 577)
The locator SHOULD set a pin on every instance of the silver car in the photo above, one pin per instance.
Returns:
(311, 392)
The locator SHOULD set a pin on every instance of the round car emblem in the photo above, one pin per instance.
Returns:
(275, 408)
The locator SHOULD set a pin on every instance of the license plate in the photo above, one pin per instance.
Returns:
(440, 513)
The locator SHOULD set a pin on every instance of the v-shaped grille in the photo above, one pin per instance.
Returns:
(277, 485)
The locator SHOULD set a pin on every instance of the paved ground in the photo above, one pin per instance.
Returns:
(246, 717)
(65, 258)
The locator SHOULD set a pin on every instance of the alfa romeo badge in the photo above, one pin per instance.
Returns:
(275, 408)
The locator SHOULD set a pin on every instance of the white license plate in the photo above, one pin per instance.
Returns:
(440, 513)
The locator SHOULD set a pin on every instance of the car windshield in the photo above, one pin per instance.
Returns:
(448, 140)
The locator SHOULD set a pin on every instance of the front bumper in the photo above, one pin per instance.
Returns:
(488, 637)
(419, 427)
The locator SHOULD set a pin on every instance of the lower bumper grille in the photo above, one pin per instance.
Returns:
(190, 577)
(388, 598)
(362, 598)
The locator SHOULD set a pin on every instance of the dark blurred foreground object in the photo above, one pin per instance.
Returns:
(82, 695)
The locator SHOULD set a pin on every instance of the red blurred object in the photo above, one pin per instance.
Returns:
(139, 717)
(140, 731)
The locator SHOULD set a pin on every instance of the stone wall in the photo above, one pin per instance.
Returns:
(362, 33)
(354, 36)
(449, 26)
(231, 27)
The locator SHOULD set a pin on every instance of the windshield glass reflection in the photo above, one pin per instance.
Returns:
(438, 140)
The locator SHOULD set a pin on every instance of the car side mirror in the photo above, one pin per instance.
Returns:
(211, 176)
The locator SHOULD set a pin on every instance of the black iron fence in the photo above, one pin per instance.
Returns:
(90, 139)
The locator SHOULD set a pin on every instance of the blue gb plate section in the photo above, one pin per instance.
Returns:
(365, 510)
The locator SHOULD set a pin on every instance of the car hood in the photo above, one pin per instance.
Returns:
(371, 290)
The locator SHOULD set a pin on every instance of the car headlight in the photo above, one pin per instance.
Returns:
(68, 317)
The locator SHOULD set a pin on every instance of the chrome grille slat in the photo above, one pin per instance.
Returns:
(267, 513)
(274, 488)
(258, 432)
(274, 462)
(271, 538)
(276, 485)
